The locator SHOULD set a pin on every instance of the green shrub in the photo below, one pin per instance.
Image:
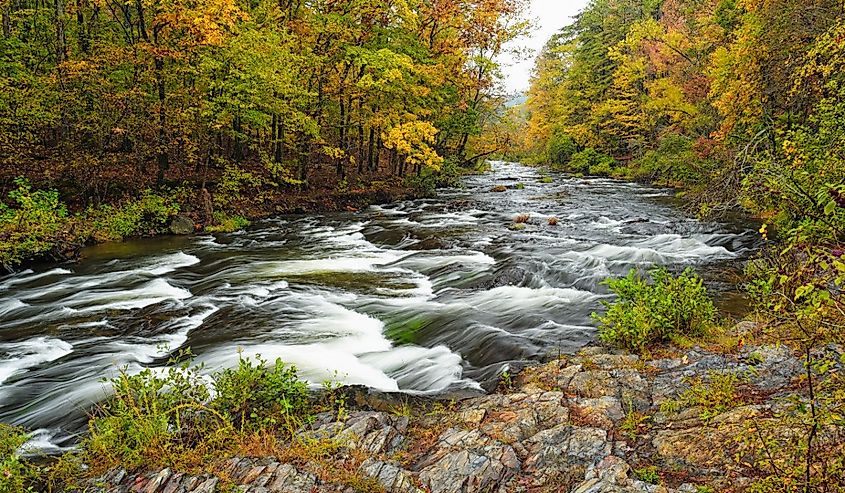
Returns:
(256, 397)
(181, 417)
(448, 176)
(16, 474)
(232, 185)
(560, 149)
(33, 225)
(647, 313)
(147, 215)
(674, 161)
(226, 223)
(588, 160)
(602, 168)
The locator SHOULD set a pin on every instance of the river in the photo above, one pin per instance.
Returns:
(420, 296)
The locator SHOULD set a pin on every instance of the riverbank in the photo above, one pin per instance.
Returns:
(44, 229)
(686, 421)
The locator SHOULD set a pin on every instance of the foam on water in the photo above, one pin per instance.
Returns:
(18, 357)
(150, 293)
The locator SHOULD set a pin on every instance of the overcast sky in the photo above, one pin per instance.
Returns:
(550, 16)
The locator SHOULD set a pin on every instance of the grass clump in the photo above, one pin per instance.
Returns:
(649, 313)
(634, 424)
(648, 474)
(714, 394)
(16, 473)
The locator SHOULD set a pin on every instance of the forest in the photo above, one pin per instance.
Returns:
(738, 102)
(115, 114)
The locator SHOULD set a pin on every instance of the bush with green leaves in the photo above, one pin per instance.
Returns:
(147, 215)
(182, 416)
(649, 312)
(560, 149)
(255, 396)
(33, 223)
(16, 473)
(590, 161)
(226, 223)
(674, 161)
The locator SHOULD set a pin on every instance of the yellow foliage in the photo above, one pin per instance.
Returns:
(412, 140)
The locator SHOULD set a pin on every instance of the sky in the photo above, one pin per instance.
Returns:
(549, 17)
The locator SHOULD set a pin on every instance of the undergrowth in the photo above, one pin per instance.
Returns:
(648, 313)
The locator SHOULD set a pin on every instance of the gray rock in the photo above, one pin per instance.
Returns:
(598, 383)
(468, 461)
(182, 225)
(774, 366)
(393, 478)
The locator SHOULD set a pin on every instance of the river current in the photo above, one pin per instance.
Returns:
(420, 296)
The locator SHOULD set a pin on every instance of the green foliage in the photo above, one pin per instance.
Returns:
(634, 423)
(147, 215)
(256, 397)
(648, 474)
(715, 394)
(182, 417)
(506, 379)
(648, 313)
(590, 161)
(226, 223)
(233, 184)
(16, 473)
(560, 150)
(673, 162)
(428, 180)
(32, 225)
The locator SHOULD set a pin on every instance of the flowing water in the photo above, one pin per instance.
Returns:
(420, 296)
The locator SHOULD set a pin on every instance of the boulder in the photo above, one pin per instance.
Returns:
(182, 225)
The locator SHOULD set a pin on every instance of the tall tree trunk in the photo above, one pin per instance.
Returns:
(158, 66)
(304, 155)
(238, 132)
(278, 132)
(360, 139)
(161, 149)
(61, 42)
(7, 20)
(371, 160)
(339, 167)
(84, 43)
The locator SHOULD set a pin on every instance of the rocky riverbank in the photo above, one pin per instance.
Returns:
(599, 421)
